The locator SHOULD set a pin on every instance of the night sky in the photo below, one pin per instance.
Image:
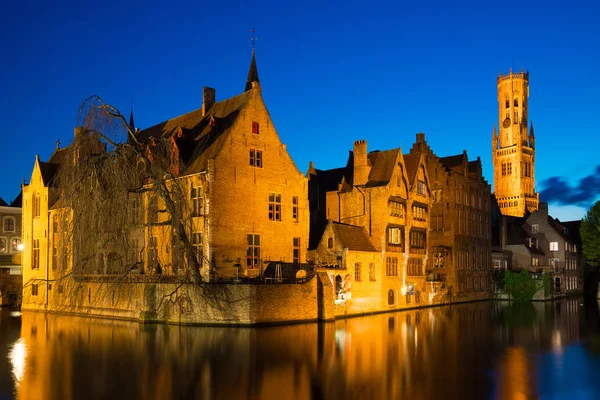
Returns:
(331, 74)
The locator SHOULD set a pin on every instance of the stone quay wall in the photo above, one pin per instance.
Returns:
(206, 304)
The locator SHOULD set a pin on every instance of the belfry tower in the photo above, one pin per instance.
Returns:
(513, 147)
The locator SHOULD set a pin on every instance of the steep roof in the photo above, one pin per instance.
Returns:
(382, 166)
(252, 73)
(199, 137)
(2, 202)
(353, 237)
(18, 201)
(517, 235)
(58, 156)
(452, 161)
(412, 165)
(48, 171)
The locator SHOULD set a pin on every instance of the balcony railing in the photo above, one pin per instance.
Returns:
(435, 277)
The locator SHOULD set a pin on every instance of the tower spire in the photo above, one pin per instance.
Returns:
(131, 122)
(252, 79)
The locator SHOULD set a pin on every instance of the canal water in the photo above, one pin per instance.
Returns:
(485, 350)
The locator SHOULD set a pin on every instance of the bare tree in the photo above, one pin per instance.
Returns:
(123, 199)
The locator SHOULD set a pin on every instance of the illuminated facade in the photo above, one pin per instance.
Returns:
(513, 148)
(375, 212)
(460, 228)
(247, 200)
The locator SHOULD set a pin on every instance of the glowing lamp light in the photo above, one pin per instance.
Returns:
(20, 247)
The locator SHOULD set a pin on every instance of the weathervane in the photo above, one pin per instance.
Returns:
(253, 38)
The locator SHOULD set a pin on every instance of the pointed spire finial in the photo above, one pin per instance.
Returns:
(252, 80)
(131, 122)
(57, 144)
(253, 38)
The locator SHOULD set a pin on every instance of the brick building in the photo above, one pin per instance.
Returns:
(386, 195)
(246, 200)
(540, 243)
(460, 228)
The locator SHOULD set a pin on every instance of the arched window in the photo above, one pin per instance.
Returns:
(15, 244)
(36, 205)
(507, 103)
(9, 224)
(2, 245)
(391, 299)
(516, 102)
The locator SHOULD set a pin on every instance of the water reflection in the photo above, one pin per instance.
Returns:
(477, 350)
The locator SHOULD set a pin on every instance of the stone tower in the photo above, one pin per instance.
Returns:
(513, 147)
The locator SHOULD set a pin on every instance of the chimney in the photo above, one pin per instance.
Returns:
(78, 130)
(543, 208)
(420, 138)
(208, 99)
(361, 163)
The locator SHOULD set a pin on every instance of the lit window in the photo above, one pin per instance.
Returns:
(396, 209)
(153, 252)
(9, 224)
(274, 207)
(419, 213)
(296, 250)
(36, 205)
(295, 208)
(2, 244)
(197, 201)
(256, 158)
(553, 246)
(252, 251)
(391, 266)
(372, 272)
(357, 271)
(535, 228)
(15, 244)
(35, 262)
(197, 245)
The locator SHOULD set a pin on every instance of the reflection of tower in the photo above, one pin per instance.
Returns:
(515, 379)
(513, 147)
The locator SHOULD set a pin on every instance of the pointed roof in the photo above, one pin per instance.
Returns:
(3, 203)
(252, 73)
(199, 136)
(18, 201)
(412, 166)
(131, 122)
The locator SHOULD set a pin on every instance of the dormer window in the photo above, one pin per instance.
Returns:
(255, 128)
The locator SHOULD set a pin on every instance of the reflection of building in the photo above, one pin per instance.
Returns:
(10, 251)
(513, 148)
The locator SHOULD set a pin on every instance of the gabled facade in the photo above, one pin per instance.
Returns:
(460, 236)
(246, 201)
(249, 198)
(387, 194)
(541, 244)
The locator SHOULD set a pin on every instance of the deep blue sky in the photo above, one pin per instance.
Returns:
(331, 73)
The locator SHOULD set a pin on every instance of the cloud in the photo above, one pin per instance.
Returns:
(558, 191)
